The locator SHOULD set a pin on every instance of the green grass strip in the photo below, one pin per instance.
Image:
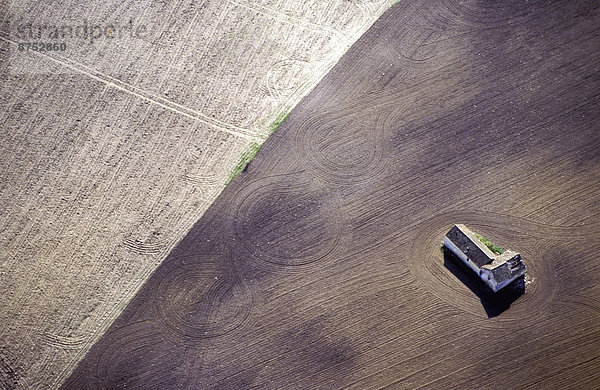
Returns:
(278, 121)
(493, 247)
(247, 156)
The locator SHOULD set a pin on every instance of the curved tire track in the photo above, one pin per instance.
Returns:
(147, 247)
(426, 262)
(198, 300)
(281, 70)
(125, 360)
(462, 15)
(63, 342)
(338, 154)
(284, 224)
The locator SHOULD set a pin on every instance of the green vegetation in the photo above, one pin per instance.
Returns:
(254, 148)
(278, 121)
(244, 160)
(443, 248)
(494, 248)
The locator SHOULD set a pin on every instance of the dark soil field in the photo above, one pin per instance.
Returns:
(320, 266)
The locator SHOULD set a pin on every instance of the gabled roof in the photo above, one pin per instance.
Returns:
(496, 270)
(470, 245)
(506, 271)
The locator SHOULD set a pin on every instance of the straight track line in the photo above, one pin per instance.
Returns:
(148, 96)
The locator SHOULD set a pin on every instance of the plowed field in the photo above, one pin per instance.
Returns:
(120, 123)
(319, 267)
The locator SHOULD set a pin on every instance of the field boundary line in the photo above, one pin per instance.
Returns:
(108, 317)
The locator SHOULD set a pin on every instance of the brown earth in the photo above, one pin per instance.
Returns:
(112, 150)
(320, 266)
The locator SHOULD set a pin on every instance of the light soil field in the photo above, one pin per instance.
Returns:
(112, 149)
(320, 266)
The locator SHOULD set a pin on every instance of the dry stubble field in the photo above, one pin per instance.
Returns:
(112, 149)
(320, 266)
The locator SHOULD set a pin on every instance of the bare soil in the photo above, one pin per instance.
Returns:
(111, 150)
(320, 266)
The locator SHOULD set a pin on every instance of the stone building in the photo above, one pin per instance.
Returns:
(497, 270)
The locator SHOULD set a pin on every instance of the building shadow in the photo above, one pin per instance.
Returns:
(494, 304)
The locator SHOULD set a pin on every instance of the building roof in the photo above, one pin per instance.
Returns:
(497, 270)
(470, 245)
